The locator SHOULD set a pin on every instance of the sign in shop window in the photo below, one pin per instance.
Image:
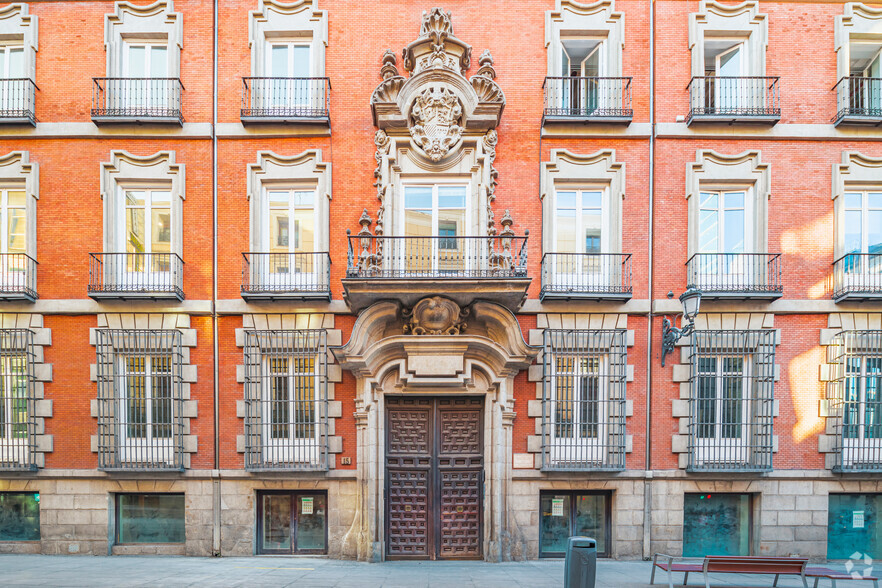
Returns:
(573, 513)
(19, 516)
(852, 529)
(716, 524)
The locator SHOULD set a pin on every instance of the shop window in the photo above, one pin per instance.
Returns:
(575, 513)
(19, 516)
(292, 522)
(149, 518)
(716, 524)
(852, 526)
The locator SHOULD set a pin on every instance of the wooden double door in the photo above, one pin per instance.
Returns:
(434, 477)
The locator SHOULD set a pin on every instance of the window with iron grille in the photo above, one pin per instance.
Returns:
(583, 405)
(140, 396)
(286, 383)
(731, 400)
(855, 400)
(17, 421)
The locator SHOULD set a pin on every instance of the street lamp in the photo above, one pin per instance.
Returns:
(691, 301)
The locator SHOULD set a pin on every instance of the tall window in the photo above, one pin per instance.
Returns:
(577, 399)
(13, 236)
(289, 65)
(15, 399)
(722, 415)
(862, 401)
(145, 403)
(12, 67)
(580, 219)
(724, 63)
(583, 61)
(290, 407)
(863, 234)
(145, 64)
(436, 215)
(865, 65)
(290, 231)
(148, 230)
(724, 233)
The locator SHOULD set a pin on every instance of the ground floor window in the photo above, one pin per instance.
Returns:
(292, 522)
(852, 526)
(716, 524)
(149, 518)
(19, 516)
(573, 513)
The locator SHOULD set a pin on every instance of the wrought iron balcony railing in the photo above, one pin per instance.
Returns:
(17, 101)
(285, 99)
(745, 99)
(451, 257)
(590, 98)
(286, 275)
(155, 100)
(136, 275)
(18, 277)
(736, 275)
(586, 275)
(858, 100)
(857, 276)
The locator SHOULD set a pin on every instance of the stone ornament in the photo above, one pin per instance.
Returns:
(435, 117)
(435, 316)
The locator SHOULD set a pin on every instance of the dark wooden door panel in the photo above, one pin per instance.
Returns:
(408, 499)
(460, 513)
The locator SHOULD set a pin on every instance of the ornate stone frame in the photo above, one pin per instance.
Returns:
(300, 18)
(858, 20)
(713, 170)
(16, 169)
(158, 169)
(740, 20)
(151, 21)
(596, 20)
(856, 170)
(600, 168)
(16, 23)
(306, 169)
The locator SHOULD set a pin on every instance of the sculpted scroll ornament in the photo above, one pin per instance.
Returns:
(435, 116)
(435, 316)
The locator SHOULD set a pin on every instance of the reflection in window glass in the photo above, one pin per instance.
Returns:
(853, 525)
(716, 524)
(570, 514)
(150, 518)
(19, 516)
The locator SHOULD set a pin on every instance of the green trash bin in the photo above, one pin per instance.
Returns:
(580, 568)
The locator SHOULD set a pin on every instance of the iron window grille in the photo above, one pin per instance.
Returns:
(140, 397)
(18, 425)
(731, 400)
(286, 400)
(855, 400)
(583, 399)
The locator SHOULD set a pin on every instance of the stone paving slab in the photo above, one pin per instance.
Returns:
(311, 572)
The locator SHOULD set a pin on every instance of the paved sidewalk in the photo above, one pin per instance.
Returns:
(155, 571)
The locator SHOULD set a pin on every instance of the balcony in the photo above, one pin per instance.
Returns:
(137, 100)
(586, 276)
(461, 268)
(587, 100)
(136, 276)
(17, 99)
(858, 101)
(718, 99)
(286, 276)
(857, 277)
(18, 277)
(738, 276)
(286, 100)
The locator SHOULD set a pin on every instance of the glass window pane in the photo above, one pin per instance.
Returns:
(853, 241)
(418, 223)
(874, 200)
(160, 231)
(276, 522)
(716, 524)
(150, 518)
(418, 197)
(158, 62)
(19, 516)
(137, 61)
(733, 200)
(304, 231)
(565, 231)
(16, 63)
(590, 520)
(853, 199)
(591, 224)
(451, 196)
(311, 521)
(554, 523)
(16, 231)
(301, 61)
(734, 232)
(592, 200)
(278, 198)
(16, 198)
(304, 198)
(708, 229)
(874, 231)
(279, 61)
(566, 200)
(709, 200)
(847, 533)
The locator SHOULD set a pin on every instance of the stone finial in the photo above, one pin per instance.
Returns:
(389, 68)
(485, 61)
(506, 223)
(436, 23)
(365, 222)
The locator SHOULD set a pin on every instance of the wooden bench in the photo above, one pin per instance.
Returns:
(833, 575)
(727, 564)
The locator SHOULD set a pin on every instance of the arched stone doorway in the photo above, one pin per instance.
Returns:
(456, 353)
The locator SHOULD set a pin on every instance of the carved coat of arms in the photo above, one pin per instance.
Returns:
(435, 116)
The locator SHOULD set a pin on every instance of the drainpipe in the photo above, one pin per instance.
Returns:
(647, 481)
(216, 482)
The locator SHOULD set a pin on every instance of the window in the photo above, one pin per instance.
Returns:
(865, 71)
(147, 84)
(288, 66)
(723, 225)
(289, 233)
(583, 61)
(149, 518)
(435, 221)
(286, 398)
(853, 526)
(292, 522)
(12, 71)
(716, 524)
(147, 237)
(566, 514)
(584, 398)
(863, 239)
(731, 400)
(724, 64)
(17, 418)
(14, 261)
(19, 516)
(140, 382)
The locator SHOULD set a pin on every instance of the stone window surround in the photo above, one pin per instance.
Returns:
(715, 19)
(156, 21)
(17, 170)
(682, 371)
(273, 170)
(857, 20)
(269, 322)
(837, 323)
(16, 23)
(592, 20)
(857, 171)
(567, 168)
(711, 171)
(157, 170)
(299, 19)
(595, 321)
(179, 322)
(41, 372)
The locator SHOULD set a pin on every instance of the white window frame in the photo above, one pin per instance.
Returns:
(602, 92)
(14, 449)
(292, 448)
(290, 93)
(401, 254)
(737, 269)
(11, 269)
(263, 272)
(149, 448)
(577, 447)
(864, 273)
(146, 93)
(147, 277)
(860, 449)
(718, 448)
(594, 271)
